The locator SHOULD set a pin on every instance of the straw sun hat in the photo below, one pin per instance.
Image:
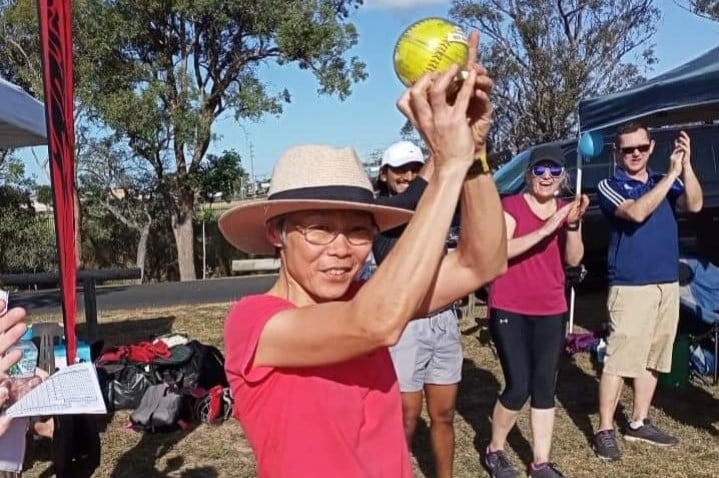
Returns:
(308, 177)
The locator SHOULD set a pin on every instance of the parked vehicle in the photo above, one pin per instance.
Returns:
(695, 230)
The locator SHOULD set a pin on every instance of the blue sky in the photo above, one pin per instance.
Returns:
(368, 119)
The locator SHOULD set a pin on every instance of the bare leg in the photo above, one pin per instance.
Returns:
(441, 400)
(411, 408)
(610, 389)
(542, 427)
(503, 420)
(644, 387)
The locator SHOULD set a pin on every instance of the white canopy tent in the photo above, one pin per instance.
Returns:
(22, 118)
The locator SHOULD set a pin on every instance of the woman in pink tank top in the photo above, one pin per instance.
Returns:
(527, 306)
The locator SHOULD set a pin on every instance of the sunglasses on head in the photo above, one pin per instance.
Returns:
(643, 148)
(554, 169)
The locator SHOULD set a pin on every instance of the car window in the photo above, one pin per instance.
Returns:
(705, 150)
(705, 153)
(510, 177)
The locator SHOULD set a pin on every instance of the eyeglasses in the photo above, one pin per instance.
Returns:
(322, 234)
(555, 170)
(642, 148)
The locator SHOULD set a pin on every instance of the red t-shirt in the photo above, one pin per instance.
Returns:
(335, 420)
(534, 281)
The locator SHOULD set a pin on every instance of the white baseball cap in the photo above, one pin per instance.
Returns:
(401, 153)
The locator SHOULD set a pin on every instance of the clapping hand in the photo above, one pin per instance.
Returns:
(556, 220)
(681, 155)
(579, 208)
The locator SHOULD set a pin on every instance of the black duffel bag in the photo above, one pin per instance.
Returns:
(124, 383)
(191, 365)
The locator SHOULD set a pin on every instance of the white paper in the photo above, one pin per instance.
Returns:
(12, 446)
(71, 391)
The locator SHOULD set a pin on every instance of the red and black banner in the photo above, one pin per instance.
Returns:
(56, 47)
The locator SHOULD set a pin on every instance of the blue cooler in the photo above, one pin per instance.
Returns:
(82, 355)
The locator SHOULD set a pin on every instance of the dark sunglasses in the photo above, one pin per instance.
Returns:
(643, 148)
(554, 169)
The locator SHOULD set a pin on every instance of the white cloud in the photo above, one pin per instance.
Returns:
(402, 4)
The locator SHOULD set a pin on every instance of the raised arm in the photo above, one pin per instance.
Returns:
(375, 317)
(481, 253)
(638, 210)
(574, 246)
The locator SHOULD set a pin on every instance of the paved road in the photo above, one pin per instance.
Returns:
(165, 294)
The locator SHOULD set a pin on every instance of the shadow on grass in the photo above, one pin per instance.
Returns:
(578, 393)
(692, 406)
(478, 393)
(129, 331)
(422, 448)
(141, 460)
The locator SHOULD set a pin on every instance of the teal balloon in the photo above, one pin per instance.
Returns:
(591, 144)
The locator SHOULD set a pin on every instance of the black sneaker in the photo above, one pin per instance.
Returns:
(545, 470)
(606, 446)
(651, 434)
(498, 465)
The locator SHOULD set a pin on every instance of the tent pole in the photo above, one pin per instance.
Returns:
(578, 189)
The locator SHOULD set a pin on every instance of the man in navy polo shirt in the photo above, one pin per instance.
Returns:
(643, 258)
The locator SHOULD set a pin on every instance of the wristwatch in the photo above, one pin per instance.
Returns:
(573, 226)
(479, 166)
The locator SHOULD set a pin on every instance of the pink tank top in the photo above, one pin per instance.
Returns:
(534, 281)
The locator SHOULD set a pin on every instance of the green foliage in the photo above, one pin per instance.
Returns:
(546, 56)
(157, 74)
(12, 171)
(219, 175)
(704, 8)
(27, 240)
(44, 195)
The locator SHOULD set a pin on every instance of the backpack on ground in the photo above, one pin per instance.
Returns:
(161, 409)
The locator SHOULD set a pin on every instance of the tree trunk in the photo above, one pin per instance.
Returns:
(78, 228)
(142, 250)
(184, 237)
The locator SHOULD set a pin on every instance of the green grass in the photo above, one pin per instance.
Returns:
(222, 451)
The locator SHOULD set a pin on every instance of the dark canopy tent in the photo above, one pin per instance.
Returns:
(688, 93)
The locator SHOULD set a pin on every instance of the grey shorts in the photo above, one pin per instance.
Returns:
(429, 352)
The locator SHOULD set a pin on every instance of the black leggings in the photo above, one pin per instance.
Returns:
(529, 349)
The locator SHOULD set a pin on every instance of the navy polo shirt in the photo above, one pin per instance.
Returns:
(647, 252)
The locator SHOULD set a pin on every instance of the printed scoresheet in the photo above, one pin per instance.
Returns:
(70, 391)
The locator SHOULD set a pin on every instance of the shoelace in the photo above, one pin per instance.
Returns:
(653, 429)
(607, 440)
(502, 459)
(550, 466)
(553, 467)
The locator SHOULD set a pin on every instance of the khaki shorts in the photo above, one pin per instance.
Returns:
(643, 322)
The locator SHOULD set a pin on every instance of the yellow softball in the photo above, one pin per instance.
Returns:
(431, 44)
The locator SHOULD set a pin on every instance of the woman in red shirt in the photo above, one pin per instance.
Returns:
(307, 361)
(528, 305)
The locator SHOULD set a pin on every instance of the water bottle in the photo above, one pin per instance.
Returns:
(601, 351)
(25, 367)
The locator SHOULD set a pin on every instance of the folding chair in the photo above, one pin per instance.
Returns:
(699, 299)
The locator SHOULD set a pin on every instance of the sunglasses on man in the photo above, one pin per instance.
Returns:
(642, 148)
(555, 170)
